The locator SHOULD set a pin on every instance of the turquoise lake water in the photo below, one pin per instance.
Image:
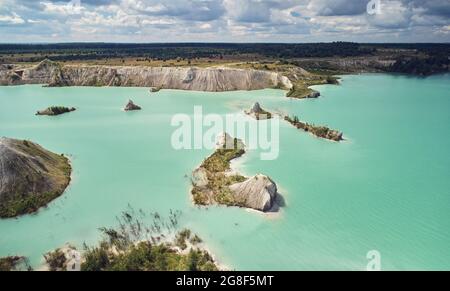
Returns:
(386, 188)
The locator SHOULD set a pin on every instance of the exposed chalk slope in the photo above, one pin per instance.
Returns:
(183, 78)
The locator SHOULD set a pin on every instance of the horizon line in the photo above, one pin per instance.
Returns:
(195, 42)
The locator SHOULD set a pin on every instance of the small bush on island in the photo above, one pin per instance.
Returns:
(182, 237)
(148, 257)
(96, 258)
(14, 263)
(196, 240)
(56, 260)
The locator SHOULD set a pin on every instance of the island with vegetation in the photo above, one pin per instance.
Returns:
(31, 177)
(319, 131)
(136, 246)
(55, 110)
(215, 183)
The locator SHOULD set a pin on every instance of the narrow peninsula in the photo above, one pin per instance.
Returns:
(319, 131)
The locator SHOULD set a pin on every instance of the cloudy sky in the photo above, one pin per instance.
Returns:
(224, 21)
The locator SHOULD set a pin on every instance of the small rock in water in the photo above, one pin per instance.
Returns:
(313, 95)
(155, 89)
(258, 113)
(256, 108)
(131, 106)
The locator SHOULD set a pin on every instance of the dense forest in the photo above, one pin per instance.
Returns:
(186, 50)
(198, 50)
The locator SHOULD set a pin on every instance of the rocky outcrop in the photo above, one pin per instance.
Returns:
(314, 94)
(131, 106)
(8, 75)
(258, 192)
(55, 110)
(155, 90)
(258, 113)
(193, 78)
(214, 182)
(43, 73)
(256, 108)
(30, 177)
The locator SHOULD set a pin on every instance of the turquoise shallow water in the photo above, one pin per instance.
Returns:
(386, 188)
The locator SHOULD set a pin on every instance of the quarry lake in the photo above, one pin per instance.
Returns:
(385, 188)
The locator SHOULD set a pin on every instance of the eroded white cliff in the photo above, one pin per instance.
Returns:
(183, 78)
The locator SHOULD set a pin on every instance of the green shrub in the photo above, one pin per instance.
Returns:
(56, 260)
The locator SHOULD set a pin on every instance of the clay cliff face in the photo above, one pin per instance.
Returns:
(197, 79)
